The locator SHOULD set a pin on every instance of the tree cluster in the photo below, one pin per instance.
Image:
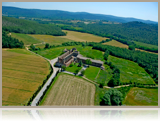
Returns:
(9, 42)
(115, 80)
(107, 40)
(112, 97)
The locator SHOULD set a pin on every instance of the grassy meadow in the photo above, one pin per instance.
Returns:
(141, 97)
(141, 115)
(146, 45)
(92, 72)
(15, 115)
(103, 76)
(68, 115)
(85, 51)
(22, 73)
(73, 68)
(26, 39)
(82, 37)
(68, 90)
(130, 71)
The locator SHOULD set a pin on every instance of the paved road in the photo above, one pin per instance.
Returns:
(68, 72)
(37, 98)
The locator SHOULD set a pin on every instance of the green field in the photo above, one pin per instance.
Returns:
(104, 76)
(140, 115)
(26, 39)
(86, 51)
(53, 52)
(130, 71)
(22, 74)
(141, 97)
(73, 68)
(92, 72)
(146, 45)
(15, 115)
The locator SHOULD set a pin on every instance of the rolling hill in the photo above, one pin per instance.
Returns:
(29, 27)
(58, 14)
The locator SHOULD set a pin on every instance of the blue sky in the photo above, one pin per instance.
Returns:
(140, 10)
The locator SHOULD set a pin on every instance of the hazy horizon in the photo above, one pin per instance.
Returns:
(138, 10)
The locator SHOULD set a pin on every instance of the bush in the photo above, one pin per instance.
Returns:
(76, 71)
(46, 46)
(83, 72)
(71, 64)
(63, 67)
(88, 61)
(80, 63)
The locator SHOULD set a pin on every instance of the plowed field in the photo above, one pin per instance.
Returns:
(22, 73)
(70, 91)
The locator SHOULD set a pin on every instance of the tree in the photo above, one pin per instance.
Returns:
(106, 54)
(131, 47)
(32, 47)
(88, 61)
(71, 64)
(83, 72)
(76, 71)
(80, 63)
(46, 46)
(63, 67)
(112, 97)
(83, 44)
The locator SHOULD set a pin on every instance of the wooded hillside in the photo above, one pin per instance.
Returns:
(29, 27)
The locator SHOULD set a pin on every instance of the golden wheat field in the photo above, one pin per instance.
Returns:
(69, 90)
(82, 37)
(68, 115)
(22, 73)
(15, 115)
(116, 43)
(50, 39)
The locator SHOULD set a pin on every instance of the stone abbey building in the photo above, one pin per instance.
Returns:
(73, 56)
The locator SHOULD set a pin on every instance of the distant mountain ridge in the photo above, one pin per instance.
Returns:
(59, 14)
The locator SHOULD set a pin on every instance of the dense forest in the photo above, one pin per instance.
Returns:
(63, 15)
(146, 60)
(29, 27)
(129, 32)
(9, 42)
